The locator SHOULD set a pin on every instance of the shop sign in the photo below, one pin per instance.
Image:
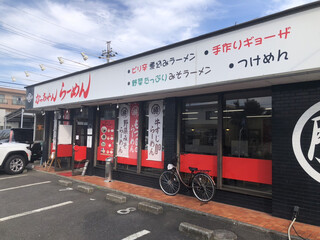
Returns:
(155, 131)
(67, 90)
(275, 48)
(309, 158)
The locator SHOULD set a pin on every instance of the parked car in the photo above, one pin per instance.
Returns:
(17, 149)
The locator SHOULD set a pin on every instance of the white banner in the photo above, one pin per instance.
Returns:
(123, 131)
(155, 131)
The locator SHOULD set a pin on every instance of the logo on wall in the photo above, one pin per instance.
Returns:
(156, 109)
(309, 157)
(124, 112)
(29, 97)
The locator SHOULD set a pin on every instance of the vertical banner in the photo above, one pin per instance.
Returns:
(123, 131)
(55, 129)
(134, 130)
(155, 131)
(106, 145)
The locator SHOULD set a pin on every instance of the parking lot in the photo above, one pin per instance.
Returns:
(35, 206)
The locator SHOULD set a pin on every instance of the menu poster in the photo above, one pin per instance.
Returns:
(106, 145)
(155, 131)
(134, 127)
(123, 131)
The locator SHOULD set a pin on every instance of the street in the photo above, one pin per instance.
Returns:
(35, 206)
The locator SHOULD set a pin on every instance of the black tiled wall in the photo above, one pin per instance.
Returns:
(291, 185)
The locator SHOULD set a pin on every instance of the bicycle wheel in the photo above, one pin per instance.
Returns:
(169, 183)
(203, 187)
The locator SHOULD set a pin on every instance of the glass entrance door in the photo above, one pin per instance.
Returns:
(80, 144)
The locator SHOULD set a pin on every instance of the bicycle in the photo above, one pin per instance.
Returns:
(202, 184)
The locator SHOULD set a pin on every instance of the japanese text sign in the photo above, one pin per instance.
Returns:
(155, 131)
(123, 131)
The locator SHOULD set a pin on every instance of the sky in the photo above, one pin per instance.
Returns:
(38, 32)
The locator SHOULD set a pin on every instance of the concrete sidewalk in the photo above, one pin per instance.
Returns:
(237, 214)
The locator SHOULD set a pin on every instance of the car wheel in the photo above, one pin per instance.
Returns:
(15, 164)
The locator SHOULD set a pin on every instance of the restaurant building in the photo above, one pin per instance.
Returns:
(242, 102)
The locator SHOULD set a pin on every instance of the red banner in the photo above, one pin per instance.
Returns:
(106, 142)
(134, 129)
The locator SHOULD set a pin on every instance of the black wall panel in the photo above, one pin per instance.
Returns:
(291, 185)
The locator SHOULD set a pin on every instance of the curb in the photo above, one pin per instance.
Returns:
(196, 231)
(65, 183)
(116, 198)
(151, 208)
(85, 189)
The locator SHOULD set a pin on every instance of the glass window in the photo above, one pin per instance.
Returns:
(17, 100)
(2, 99)
(106, 133)
(39, 131)
(199, 124)
(4, 135)
(247, 141)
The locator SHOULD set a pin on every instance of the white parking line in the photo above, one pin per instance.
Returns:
(35, 211)
(4, 178)
(23, 186)
(137, 235)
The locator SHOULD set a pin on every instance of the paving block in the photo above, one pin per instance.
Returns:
(65, 183)
(222, 234)
(85, 188)
(195, 231)
(116, 198)
(150, 207)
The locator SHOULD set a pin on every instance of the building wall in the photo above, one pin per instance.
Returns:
(291, 185)
(10, 100)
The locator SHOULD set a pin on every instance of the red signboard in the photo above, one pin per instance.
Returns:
(106, 142)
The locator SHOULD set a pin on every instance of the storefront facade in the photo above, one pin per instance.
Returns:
(242, 103)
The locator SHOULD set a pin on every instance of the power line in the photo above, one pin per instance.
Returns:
(36, 37)
(31, 56)
(21, 84)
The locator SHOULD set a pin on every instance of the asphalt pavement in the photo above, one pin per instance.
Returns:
(36, 206)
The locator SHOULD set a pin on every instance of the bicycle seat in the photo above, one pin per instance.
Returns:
(192, 169)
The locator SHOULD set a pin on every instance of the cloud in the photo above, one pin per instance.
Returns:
(280, 5)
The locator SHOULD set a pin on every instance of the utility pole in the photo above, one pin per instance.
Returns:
(108, 53)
